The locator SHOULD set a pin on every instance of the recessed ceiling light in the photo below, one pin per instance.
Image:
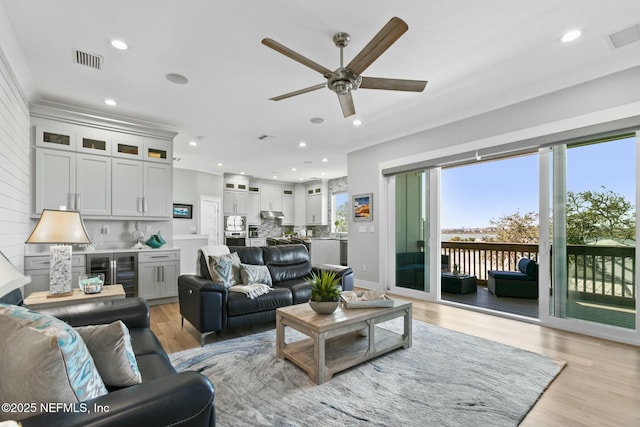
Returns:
(110, 102)
(316, 120)
(219, 164)
(302, 144)
(119, 44)
(178, 79)
(193, 143)
(301, 179)
(570, 36)
(357, 122)
(293, 169)
(241, 173)
(325, 160)
(275, 177)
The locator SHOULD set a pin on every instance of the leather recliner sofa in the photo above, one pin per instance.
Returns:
(210, 307)
(164, 397)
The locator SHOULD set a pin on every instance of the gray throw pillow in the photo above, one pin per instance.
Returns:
(225, 269)
(255, 274)
(110, 347)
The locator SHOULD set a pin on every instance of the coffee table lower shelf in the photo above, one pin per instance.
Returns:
(340, 342)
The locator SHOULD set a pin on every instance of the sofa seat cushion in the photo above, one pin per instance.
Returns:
(510, 275)
(144, 341)
(238, 303)
(154, 366)
(300, 289)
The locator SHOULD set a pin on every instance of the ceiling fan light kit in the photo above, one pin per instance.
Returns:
(346, 79)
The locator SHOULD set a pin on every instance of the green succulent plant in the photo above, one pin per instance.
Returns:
(324, 286)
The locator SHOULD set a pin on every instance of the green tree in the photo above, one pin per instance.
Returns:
(342, 218)
(517, 228)
(597, 215)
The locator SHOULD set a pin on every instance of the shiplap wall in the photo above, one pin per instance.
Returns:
(15, 166)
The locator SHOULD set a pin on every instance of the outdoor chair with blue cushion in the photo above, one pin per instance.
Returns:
(520, 284)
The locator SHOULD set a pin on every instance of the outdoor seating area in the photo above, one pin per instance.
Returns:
(518, 284)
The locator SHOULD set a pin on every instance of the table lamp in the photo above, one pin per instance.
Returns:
(10, 277)
(61, 229)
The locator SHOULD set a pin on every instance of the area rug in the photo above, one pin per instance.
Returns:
(445, 379)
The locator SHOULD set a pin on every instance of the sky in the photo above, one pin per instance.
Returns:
(474, 194)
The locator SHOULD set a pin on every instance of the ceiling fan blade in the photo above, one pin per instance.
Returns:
(298, 92)
(346, 103)
(378, 45)
(393, 84)
(295, 56)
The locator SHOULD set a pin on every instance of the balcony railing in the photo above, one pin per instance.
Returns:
(602, 273)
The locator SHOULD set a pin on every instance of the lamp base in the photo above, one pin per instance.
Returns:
(60, 270)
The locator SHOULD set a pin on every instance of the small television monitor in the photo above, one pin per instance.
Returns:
(182, 211)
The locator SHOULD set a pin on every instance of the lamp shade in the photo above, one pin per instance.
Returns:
(59, 227)
(10, 277)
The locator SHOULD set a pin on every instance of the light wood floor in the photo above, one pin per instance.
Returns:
(600, 386)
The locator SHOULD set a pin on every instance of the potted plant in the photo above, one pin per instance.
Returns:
(325, 291)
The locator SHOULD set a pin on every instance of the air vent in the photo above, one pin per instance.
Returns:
(263, 137)
(625, 37)
(88, 59)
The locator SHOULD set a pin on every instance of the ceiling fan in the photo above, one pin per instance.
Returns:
(345, 79)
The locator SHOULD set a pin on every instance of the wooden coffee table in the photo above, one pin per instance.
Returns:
(336, 341)
(37, 300)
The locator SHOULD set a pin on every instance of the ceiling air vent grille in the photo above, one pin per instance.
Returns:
(88, 59)
(625, 37)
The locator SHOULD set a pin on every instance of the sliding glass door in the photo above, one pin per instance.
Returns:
(412, 231)
(594, 232)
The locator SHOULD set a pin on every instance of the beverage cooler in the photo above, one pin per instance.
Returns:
(118, 268)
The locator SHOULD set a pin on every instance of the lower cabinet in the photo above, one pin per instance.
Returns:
(37, 267)
(158, 273)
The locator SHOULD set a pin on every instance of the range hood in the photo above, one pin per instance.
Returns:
(271, 215)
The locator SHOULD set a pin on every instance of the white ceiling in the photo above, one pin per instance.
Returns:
(477, 55)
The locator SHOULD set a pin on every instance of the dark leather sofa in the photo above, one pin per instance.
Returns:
(210, 307)
(163, 398)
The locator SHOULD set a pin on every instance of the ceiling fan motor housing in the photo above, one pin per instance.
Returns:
(342, 80)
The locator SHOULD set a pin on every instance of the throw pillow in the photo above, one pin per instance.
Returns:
(110, 347)
(225, 269)
(255, 274)
(43, 360)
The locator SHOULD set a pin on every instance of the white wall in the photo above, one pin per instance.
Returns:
(577, 106)
(188, 185)
(14, 165)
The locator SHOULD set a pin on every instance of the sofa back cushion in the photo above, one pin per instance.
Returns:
(249, 254)
(287, 262)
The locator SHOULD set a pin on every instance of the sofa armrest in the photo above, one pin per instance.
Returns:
(184, 399)
(134, 312)
(345, 274)
(200, 284)
(202, 302)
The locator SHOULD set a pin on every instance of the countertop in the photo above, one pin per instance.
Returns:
(109, 251)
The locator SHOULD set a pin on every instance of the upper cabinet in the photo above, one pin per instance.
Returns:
(271, 197)
(235, 196)
(88, 165)
(288, 206)
(317, 204)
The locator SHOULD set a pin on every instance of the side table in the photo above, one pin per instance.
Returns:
(458, 284)
(37, 300)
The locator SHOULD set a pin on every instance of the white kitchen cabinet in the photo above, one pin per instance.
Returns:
(141, 189)
(56, 138)
(76, 180)
(258, 241)
(147, 149)
(271, 197)
(288, 206)
(317, 204)
(253, 206)
(158, 274)
(37, 267)
(234, 202)
(325, 251)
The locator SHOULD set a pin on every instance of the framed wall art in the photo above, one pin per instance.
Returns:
(363, 207)
(182, 211)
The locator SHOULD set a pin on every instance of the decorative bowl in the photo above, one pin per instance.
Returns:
(91, 283)
(324, 307)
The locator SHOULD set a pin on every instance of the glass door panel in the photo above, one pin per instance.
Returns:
(412, 231)
(594, 232)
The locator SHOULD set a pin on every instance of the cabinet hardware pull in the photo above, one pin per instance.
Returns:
(144, 204)
(139, 204)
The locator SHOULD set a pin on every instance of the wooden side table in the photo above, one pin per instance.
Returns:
(37, 300)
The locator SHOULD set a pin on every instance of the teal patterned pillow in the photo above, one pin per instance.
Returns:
(255, 274)
(110, 347)
(43, 360)
(225, 269)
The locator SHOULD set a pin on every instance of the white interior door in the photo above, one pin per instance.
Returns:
(210, 219)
